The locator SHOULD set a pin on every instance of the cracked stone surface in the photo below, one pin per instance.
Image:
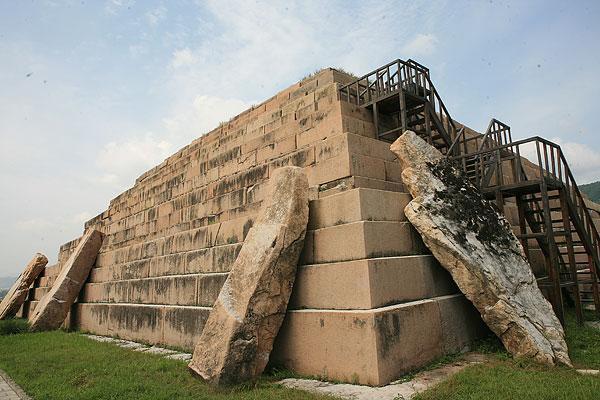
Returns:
(18, 292)
(475, 243)
(238, 336)
(54, 306)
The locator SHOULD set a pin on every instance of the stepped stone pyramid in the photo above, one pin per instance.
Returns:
(369, 303)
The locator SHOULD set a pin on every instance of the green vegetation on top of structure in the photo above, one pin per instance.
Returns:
(592, 190)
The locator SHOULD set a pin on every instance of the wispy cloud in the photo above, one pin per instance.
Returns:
(120, 162)
(583, 160)
(115, 6)
(156, 15)
(109, 99)
(421, 45)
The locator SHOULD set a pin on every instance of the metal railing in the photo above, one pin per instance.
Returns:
(547, 162)
(408, 76)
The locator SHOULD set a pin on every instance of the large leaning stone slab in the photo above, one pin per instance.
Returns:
(476, 245)
(53, 308)
(238, 336)
(18, 292)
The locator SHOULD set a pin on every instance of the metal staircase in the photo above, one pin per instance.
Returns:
(555, 226)
(402, 97)
(552, 213)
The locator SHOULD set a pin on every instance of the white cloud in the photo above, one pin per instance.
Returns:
(33, 224)
(583, 160)
(258, 48)
(81, 218)
(153, 17)
(182, 58)
(420, 45)
(122, 161)
(114, 6)
(137, 50)
(189, 121)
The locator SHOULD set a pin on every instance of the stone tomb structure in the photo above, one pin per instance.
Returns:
(369, 302)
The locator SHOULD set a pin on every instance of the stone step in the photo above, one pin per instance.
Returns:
(178, 326)
(27, 309)
(374, 347)
(185, 290)
(360, 204)
(37, 293)
(370, 283)
(361, 181)
(208, 260)
(362, 239)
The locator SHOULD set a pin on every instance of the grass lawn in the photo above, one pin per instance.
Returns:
(61, 365)
(507, 378)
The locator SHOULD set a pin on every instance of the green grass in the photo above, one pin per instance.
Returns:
(507, 378)
(61, 365)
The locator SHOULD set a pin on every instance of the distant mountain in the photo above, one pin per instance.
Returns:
(3, 293)
(7, 281)
(592, 190)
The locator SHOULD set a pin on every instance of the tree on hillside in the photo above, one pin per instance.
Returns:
(592, 190)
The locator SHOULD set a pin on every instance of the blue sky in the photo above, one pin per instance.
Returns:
(93, 93)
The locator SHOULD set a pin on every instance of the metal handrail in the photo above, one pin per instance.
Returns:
(551, 164)
(386, 80)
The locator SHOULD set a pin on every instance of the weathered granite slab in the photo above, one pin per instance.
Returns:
(53, 308)
(238, 337)
(18, 292)
(477, 246)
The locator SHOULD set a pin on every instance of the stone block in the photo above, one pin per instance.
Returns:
(53, 308)
(285, 146)
(209, 286)
(136, 322)
(92, 318)
(255, 295)
(370, 167)
(370, 347)
(331, 147)
(361, 181)
(328, 170)
(370, 283)
(359, 204)
(366, 146)
(363, 239)
(13, 300)
(183, 326)
(123, 291)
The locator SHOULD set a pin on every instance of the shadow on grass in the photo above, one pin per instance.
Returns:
(13, 326)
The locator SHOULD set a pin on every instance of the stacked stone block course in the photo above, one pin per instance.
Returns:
(370, 302)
